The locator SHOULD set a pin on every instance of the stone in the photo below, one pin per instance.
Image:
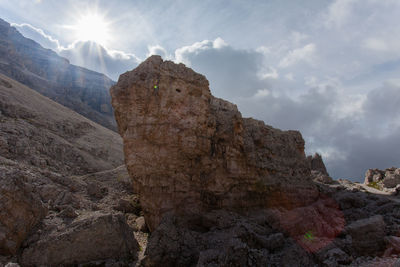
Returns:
(68, 212)
(189, 152)
(141, 224)
(20, 209)
(128, 206)
(95, 190)
(96, 237)
(321, 178)
(393, 245)
(392, 179)
(367, 235)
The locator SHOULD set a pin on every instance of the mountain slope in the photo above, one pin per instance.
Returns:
(82, 90)
(38, 131)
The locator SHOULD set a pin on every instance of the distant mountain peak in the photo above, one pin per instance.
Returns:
(78, 88)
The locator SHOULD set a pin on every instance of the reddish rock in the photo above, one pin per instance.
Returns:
(189, 152)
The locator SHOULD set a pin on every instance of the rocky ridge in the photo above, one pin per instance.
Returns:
(79, 89)
(221, 190)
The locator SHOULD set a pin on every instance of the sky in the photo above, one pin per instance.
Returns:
(328, 68)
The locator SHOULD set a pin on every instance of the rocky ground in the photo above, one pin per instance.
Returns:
(76, 219)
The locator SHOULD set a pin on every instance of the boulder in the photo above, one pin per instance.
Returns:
(20, 209)
(367, 235)
(95, 237)
(189, 152)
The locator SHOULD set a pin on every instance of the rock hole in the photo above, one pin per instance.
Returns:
(178, 90)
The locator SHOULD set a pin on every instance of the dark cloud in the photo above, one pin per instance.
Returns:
(353, 135)
(231, 72)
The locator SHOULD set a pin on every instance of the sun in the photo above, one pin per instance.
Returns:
(93, 27)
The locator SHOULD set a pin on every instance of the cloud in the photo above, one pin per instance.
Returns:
(95, 57)
(231, 72)
(84, 53)
(158, 50)
(300, 54)
(353, 131)
(38, 35)
(339, 13)
(375, 44)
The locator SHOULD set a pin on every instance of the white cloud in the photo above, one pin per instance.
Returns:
(219, 43)
(300, 54)
(264, 50)
(86, 54)
(262, 93)
(339, 12)
(38, 35)
(158, 50)
(270, 73)
(375, 44)
(96, 57)
(289, 76)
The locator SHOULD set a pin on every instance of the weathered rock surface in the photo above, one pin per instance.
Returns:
(79, 89)
(60, 181)
(386, 180)
(95, 237)
(20, 208)
(37, 131)
(221, 190)
(317, 164)
(367, 235)
(189, 152)
(75, 221)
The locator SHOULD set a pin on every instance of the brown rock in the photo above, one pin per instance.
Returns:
(189, 152)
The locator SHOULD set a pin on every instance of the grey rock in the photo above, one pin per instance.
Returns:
(367, 235)
(317, 164)
(20, 209)
(141, 224)
(97, 237)
(95, 190)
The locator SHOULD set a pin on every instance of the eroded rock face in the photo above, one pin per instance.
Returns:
(383, 179)
(189, 152)
(20, 209)
(97, 237)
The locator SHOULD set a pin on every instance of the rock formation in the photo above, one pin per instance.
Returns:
(318, 169)
(79, 89)
(189, 152)
(388, 180)
(64, 196)
(221, 190)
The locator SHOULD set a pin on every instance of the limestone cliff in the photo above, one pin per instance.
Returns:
(189, 152)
